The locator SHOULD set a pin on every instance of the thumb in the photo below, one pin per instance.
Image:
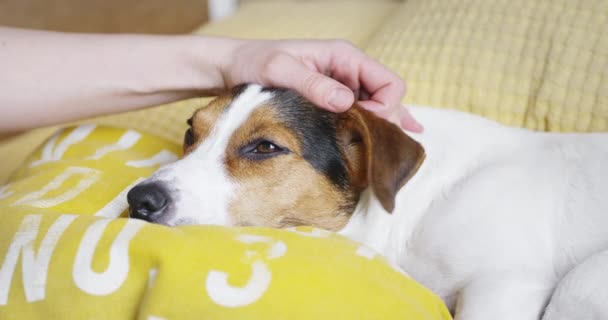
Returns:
(321, 90)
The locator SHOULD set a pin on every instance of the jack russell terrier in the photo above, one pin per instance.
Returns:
(501, 223)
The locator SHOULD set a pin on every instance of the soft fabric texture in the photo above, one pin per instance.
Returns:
(537, 64)
(64, 254)
(355, 21)
(540, 64)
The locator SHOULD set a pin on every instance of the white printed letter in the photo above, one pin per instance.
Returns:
(113, 277)
(35, 199)
(35, 266)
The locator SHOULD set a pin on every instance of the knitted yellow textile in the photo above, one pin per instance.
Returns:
(355, 21)
(66, 253)
(540, 64)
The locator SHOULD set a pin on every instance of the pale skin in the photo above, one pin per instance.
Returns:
(51, 78)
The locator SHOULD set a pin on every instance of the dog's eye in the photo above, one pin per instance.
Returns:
(266, 147)
(262, 149)
(189, 137)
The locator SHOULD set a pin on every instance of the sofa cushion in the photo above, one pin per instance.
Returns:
(539, 64)
(355, 21)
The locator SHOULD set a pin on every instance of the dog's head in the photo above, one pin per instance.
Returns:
(268, 157)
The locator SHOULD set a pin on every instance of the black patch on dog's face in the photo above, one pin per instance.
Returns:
(236, 91)
(316, 128)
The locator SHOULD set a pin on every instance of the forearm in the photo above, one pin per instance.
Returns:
(49, 78)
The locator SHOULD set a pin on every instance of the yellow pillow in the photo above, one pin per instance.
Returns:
(67, 253)
(539, 64)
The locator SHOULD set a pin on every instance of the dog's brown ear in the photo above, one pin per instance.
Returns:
(378, 154)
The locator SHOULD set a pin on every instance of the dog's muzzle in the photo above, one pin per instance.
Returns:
(148, 201)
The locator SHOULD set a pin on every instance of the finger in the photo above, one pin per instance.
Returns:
(372, 80)
(384, 86)
(399, 116)
(409, 123)
(376, 107)
(381, 111)
(289, 72)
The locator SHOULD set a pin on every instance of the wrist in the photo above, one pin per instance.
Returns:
(212, 58)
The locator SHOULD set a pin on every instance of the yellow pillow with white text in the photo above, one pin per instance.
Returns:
(67, 252)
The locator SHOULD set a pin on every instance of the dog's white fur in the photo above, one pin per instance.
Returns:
(493, 221)
(497, 216)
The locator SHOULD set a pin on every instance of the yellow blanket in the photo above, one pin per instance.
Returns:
(67, 253)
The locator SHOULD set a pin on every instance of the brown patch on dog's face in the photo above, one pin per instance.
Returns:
(277, 186)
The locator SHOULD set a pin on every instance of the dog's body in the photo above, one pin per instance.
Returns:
(496, 216)
(492, 220)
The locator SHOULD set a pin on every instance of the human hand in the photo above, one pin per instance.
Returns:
(330, 73)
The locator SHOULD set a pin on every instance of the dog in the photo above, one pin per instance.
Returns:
(501, 223)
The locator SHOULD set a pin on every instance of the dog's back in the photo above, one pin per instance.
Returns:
(506, 202)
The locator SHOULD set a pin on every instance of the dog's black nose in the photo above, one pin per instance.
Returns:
(147, 201)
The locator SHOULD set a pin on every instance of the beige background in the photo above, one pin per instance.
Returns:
(113, 16)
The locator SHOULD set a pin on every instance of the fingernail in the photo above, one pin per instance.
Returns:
(417, 127)
(340, 99)
(411, 125)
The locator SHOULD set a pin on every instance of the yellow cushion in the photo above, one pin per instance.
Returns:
(166, 121)
(65, 253)
(539, 64)
(15, 149)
